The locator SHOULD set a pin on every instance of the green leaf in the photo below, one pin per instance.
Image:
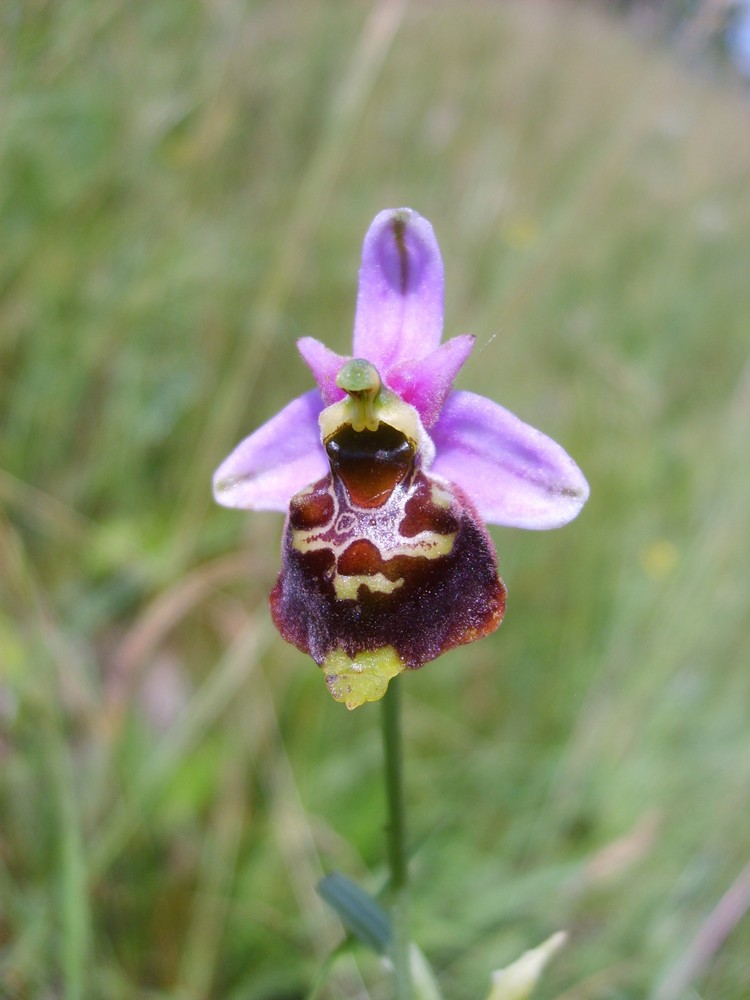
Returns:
(362, 915)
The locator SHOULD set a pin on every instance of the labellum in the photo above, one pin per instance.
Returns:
(384, 566)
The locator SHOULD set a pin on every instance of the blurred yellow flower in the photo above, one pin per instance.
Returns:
(659, 559)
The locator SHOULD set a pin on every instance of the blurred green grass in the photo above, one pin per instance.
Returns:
(184, 190)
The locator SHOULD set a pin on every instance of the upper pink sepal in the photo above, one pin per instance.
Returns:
(400, 299)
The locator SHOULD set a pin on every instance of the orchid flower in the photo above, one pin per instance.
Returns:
(388, 477)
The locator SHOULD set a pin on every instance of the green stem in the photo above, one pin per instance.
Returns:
(396, 833)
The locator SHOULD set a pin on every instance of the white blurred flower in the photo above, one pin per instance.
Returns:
(517, 980)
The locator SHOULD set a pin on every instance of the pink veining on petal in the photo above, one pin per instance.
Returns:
(282, 457)
(515, 474)
(426, 383)
(400, 299)
(325, 365)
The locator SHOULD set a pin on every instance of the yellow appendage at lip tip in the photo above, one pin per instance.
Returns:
(364, 678)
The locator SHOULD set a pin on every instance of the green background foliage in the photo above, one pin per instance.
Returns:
(184, 191)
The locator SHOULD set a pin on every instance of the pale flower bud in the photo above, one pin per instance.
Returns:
(517, 980)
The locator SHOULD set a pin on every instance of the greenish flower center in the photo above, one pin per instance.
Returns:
(361, 381)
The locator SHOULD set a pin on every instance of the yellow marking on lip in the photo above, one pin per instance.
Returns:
(439, 496)
(427, 544)
(376, 526)
(363, 678)
(347, 587)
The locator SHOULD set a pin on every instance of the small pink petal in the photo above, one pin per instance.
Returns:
(284, 455)
(515, 475)
(400, 300)
(426, 383)
(325, 365)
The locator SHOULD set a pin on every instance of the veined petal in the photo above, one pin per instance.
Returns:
(400, 300)
(284, 455)
(515, 475)
(325, 365)
(426, 384)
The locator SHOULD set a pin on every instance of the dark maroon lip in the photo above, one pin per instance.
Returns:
(419, 575)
